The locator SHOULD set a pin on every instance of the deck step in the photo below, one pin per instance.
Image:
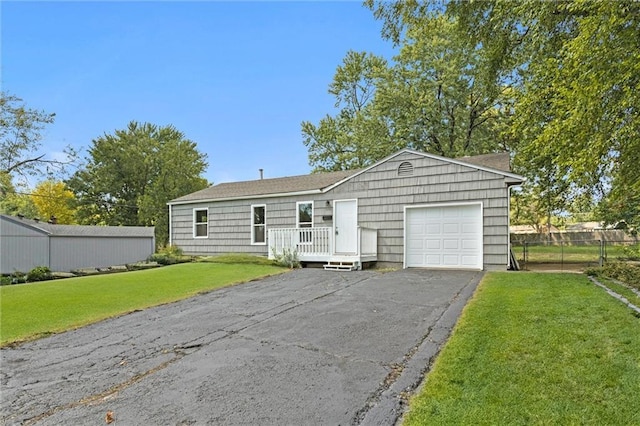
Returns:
(342, 266)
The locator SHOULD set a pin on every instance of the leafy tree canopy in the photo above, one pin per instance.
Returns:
(20, 134)
(574, 68)
(12, 202)
(441, 95)
(54, 200)
(130, 175)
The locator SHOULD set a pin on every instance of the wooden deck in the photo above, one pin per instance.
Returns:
(317, 245)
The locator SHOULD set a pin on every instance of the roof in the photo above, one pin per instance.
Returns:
(585, 226)
(321, 182)
(283, 185)
(498, 161)
(83, 230)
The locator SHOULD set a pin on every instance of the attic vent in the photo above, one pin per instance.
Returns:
(405, 169)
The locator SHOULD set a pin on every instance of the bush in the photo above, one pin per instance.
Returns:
(15, 278)
(288, 258)
(631, 252)
(39, 273)
(625, 272)
(169, 255)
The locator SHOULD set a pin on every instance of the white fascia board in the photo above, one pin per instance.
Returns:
(248, 197)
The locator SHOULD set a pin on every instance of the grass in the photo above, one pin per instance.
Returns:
(535, 348)
(238, 258)
(29, 311)
(571, 253)
(621, 290)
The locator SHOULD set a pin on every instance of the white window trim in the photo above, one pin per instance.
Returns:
(195, 224)
(253, 225)
(313, 208)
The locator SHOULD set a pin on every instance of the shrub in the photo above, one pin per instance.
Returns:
(169, 255)
(631, 252)
(39, 273)
(288, 258)
(625, 272)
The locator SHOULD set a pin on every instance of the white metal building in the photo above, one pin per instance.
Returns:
(26, 244)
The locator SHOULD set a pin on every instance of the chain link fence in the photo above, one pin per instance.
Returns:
(571, 255)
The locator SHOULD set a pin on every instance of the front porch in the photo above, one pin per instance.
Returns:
(319, 245)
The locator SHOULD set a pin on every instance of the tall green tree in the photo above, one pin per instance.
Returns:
(440, 95)
(14, 202)
(575, 65)
(356, 136)
(20, 139)
(130, 175)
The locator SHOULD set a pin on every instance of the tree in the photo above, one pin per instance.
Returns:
(131, 175)
(12, 202)
(441, 95)
(54, 199)
(20, 134)
(355, 137)
(576, 67)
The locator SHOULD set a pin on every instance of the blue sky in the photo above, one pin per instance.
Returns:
(235, 77)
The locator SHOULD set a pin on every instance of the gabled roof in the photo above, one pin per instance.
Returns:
(302, 184)
(82, 230)
(321, 182)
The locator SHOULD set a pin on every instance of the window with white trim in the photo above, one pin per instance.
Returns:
(200, 223)
(304, 219)
(258, 224)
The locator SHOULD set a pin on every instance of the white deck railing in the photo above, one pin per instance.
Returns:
(316, 244)
(307, 242)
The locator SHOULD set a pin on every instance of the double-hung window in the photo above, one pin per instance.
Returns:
(304, 219)
(258, 224)
(200, 223)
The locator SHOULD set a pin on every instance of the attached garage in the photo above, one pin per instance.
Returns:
(444, 236)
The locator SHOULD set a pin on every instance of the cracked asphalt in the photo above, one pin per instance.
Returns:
(306, 347)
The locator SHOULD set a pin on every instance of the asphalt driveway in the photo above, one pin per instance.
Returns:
(307, 347)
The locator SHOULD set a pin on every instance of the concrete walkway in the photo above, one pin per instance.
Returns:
(307, 347)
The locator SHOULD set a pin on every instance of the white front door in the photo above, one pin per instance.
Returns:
(345, 226)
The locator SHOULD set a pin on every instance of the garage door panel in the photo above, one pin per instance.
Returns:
(451, 228)
(416, 244)
(451, 244)
(433, 229)
(451, 260)
(434, 259)
(470, 261)
(433, 213)
(434, 244)
(470, 244)
(469, 228)
(451, 236)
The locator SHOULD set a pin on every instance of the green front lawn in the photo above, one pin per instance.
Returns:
(536, 348)
(28, 311)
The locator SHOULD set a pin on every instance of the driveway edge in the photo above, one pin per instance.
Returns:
(392, 402)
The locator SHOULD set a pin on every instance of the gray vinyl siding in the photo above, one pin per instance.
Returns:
(382, 197)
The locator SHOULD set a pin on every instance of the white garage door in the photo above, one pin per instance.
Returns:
(444, 236)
